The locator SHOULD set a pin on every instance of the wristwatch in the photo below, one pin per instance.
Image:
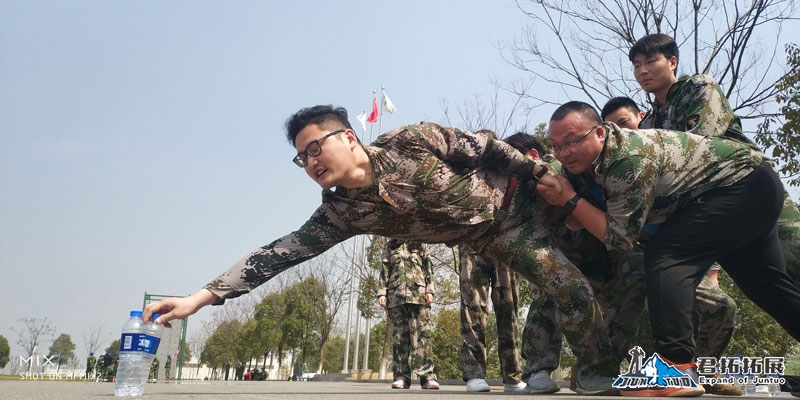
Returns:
(570, 205)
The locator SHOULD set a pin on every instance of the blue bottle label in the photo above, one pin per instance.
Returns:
(139, 342)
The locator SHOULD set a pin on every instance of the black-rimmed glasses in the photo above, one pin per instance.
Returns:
(569, 145)
(312, 150)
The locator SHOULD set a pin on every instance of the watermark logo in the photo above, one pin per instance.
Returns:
(652, 373)
(35, 360)
(656, 373)
(41, 367)
(741, 370)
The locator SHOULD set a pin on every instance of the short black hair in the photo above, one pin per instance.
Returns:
(524, 142)
(619, 102)
(584, 109)
(656, 43)
(325, 116)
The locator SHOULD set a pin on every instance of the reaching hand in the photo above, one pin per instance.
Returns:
(178, 307)
(382, 301)
(555, 189)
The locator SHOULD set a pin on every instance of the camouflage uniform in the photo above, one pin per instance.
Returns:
(616, 278)
(154, 369)
(618, 283)
(476, 276)
(167, 367)
(696, 104)
(90, 363)
(406, 277)
(674, 180)
(441, 185)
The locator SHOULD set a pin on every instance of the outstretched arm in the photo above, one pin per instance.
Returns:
(557, 190)
(178, 307)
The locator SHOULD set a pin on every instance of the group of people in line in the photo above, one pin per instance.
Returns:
(629, 213)
(104, 368)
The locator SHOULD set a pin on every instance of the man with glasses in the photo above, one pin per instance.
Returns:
(430, 184)
(693, 188)
(715, 311)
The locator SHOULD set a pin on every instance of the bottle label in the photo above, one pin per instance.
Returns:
(139, 342)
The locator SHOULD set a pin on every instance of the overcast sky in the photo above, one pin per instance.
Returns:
(142, 146)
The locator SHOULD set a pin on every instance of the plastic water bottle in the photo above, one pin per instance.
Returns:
(137, 349)
(749, 386)
(773, 386)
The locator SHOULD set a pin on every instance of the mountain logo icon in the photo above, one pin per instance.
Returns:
(655, 372)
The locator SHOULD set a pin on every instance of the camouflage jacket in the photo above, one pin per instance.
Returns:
(646, 175)
(406, 274)
(430, 184)
(696, 104)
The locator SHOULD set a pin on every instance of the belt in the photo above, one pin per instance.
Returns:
(512, 187)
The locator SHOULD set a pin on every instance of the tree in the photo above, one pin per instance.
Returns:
(333, 279)
(62, 351)
(113, 348)
(224, 344)
(269, 335)
(788, 132)
(305, 308)
(5, 352)
(756, 333)
(446, 345)
(475, 114)
(91, 338)
(197, 345)
(35, 331)
(585, 49)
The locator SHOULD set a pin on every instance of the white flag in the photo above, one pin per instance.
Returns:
(363, 119)
(387, 106)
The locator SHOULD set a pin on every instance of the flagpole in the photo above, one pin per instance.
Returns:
(380, 116)
(364, 128)
(372, 125)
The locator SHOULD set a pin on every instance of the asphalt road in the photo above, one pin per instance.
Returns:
(268, 390)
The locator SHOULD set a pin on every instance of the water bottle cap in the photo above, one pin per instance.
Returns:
(136, 313)
(154, 317)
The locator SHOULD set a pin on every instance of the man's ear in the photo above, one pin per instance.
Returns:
(534, 155)
(602, 133)
(350, 137)
(673, 63)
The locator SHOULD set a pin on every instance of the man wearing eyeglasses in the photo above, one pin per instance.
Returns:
(694, 188)
(430, 184)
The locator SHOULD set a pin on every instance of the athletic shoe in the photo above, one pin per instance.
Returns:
(540, 383)
(658, 391)
(430, 384)
(796, 393)
(595, 385)
(477, 385)
(514, 387)
(401, 383)
(722, 389)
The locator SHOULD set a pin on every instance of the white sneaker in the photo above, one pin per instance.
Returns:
(514, 387)
(540, 383)
(478, 385)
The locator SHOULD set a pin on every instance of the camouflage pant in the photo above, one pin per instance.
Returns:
(411, 347)
(476, 277)
(522, 244)
(618, 282)
(715, 317)
(622, 299)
